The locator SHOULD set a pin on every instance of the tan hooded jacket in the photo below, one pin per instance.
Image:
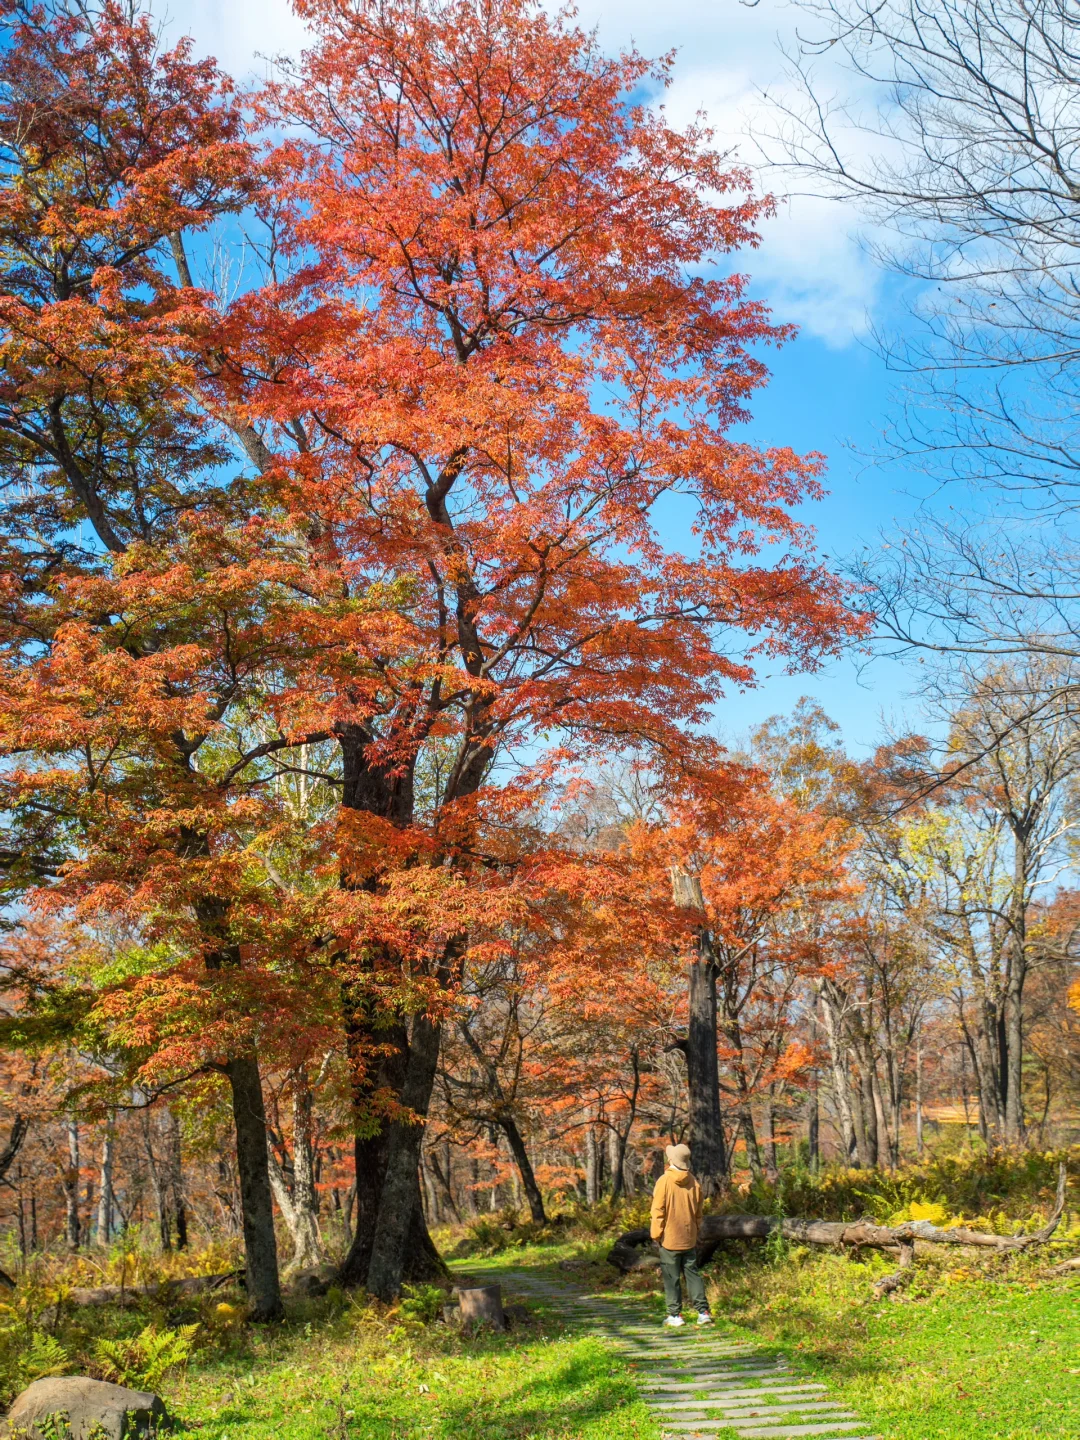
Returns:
(676, 1210)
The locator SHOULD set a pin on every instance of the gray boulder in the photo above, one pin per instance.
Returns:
(117, 1412)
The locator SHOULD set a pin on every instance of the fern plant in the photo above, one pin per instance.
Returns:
(43, 1356)
(145, 1359)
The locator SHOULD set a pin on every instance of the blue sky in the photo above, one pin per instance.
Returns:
(830, 391)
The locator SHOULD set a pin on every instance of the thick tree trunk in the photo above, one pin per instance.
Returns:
(867, 1110)
(702, 1066)
(703, 1076)
(390, 1229)
(429, 1193)
(841, 1082)
(422, 1260)
(249, 1123)
(525, 1170)
(174, 1160)
(399, 1202)
(300, 1221)
(884, 1149)
(370, 1150)
(256, 1203)
(299, 1206)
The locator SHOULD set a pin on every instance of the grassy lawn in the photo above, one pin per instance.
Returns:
(968, 1356)
(354, 1377)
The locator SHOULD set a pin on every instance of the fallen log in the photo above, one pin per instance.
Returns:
(165, 1290)
(635, 1251)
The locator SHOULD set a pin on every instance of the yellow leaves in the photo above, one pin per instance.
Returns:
(928, 1210)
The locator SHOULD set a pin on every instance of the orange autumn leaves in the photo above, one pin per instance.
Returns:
(379, 542)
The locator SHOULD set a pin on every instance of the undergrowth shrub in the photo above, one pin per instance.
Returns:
(422, 1302)
(996, 1188)
(143, 1361)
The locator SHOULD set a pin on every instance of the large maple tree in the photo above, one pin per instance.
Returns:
(496, 355)
(508, 350)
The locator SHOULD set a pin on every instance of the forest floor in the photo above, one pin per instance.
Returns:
(978, 1345)
(966, 1356)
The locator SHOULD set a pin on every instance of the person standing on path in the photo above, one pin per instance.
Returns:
(676, 1220)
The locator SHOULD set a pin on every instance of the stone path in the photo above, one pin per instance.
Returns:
(697, 1381)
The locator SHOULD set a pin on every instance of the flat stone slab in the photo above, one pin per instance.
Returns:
(743, 1411)
(754, 1431)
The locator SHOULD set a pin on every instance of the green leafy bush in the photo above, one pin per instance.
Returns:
(1000, 1187)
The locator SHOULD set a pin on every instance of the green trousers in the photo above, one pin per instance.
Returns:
(674, 1264)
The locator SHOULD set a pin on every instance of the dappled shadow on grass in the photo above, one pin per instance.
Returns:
(540, 1382)
(583, 1391)
(587, 1394)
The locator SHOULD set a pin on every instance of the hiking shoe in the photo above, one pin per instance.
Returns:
(704, 1318)
(674, 1320)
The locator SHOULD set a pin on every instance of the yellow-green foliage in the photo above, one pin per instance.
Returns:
(144, 1360)
(1000, 1192)
(29, 1348)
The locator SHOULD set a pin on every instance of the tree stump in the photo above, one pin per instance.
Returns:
(483, 1306)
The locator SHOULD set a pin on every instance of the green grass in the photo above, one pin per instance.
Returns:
(979, 1346)
(354, 1377)
(969, 1354)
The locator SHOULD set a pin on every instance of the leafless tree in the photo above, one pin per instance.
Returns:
(961, 149)
(966, 158)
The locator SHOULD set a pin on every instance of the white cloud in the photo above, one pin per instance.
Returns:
(810, 265)
(237, 32)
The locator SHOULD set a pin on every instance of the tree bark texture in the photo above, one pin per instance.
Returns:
(105, 1186)
(622, 1137)
(702, 1064)
(175, 1168)
(528, 1176)
(593, 1163)
(256, 1203)
(1014, 994)
(398, 1205)
(299, 1205)
(72, 1226)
